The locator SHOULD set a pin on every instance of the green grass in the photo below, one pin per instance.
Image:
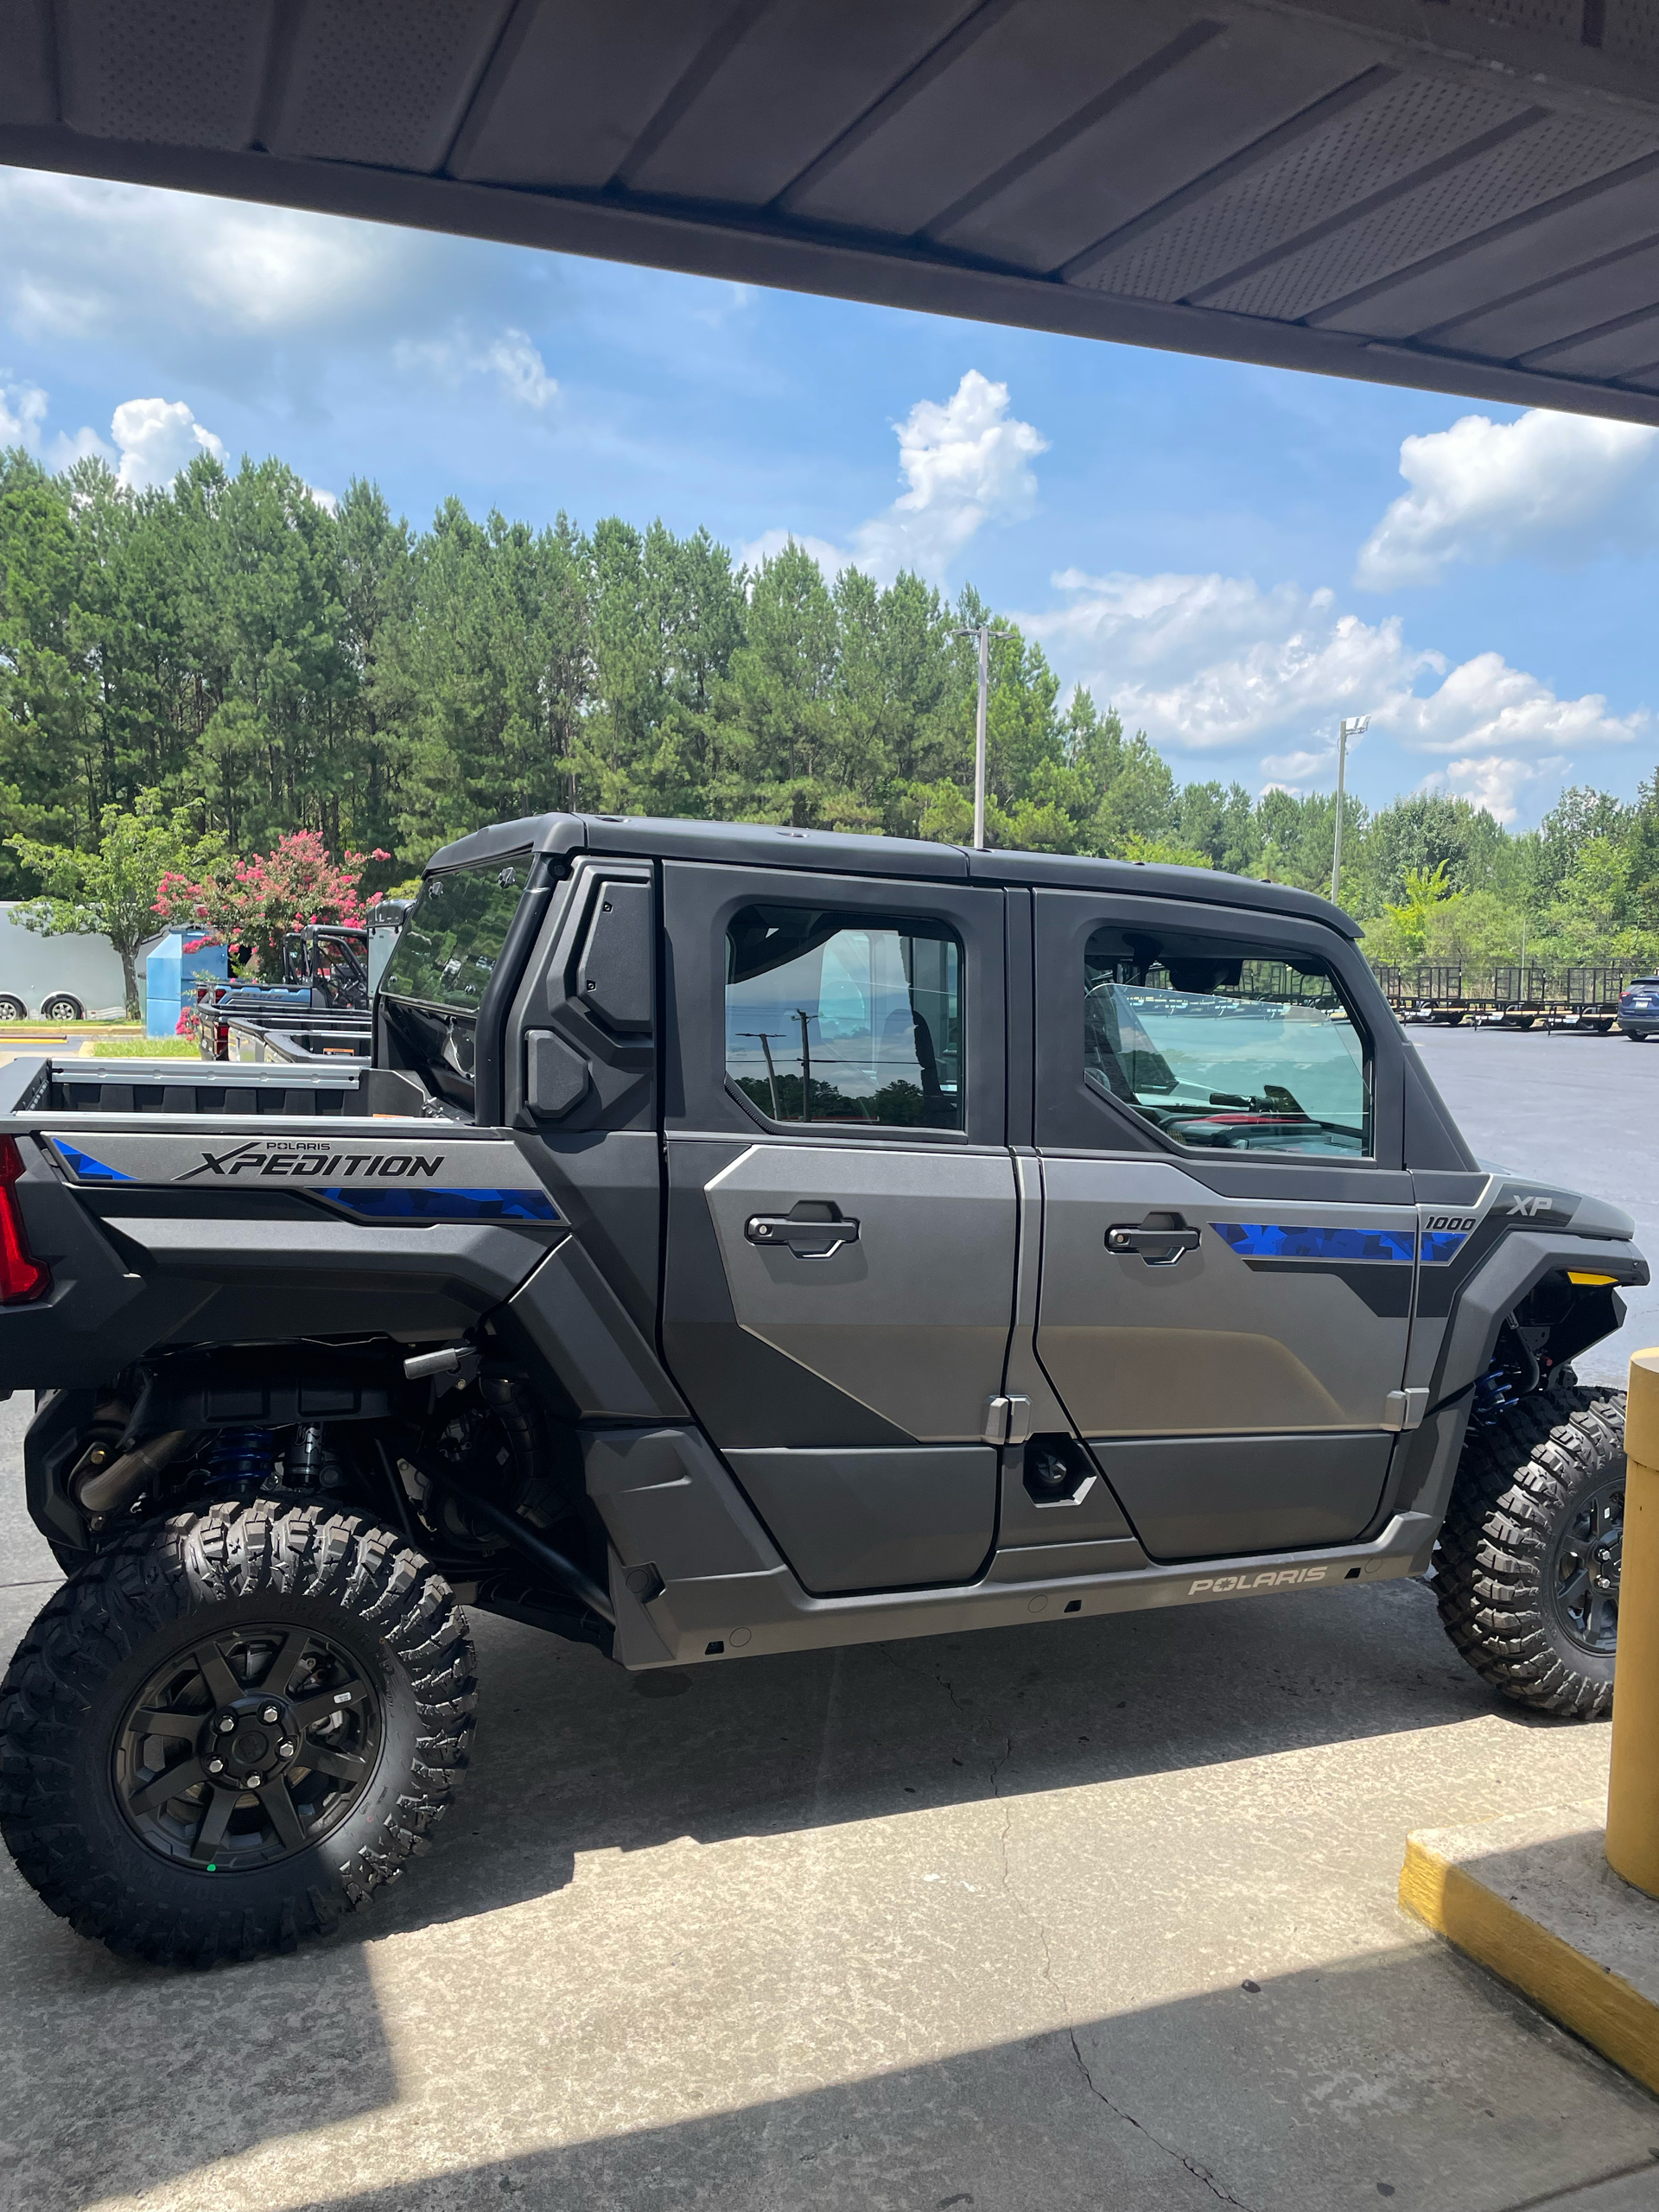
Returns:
(144, 1048)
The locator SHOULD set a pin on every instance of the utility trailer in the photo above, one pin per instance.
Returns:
(1585, 998)
(1519, 998)
(1436, 994)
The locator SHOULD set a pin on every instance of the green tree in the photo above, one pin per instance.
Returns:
(114, 889)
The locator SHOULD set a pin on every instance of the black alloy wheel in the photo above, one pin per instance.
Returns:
(244, 1748)
(1582, 1582)
(228, 1731)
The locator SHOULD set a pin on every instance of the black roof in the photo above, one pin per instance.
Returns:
(753, 844)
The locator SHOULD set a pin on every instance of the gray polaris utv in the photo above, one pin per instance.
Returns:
(744, 1241)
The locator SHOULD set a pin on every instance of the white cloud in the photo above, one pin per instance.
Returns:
(85, 254)
(328, 501)
(245, 300)
(85, 445)
(966, 461)
(1299, 772)
(1212, 664)
(830, 558)
(1565, 485)
(511, 357)
(22, 411)
(155, 438)
(1497, 784)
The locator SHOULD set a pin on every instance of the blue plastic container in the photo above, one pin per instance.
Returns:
(171, 974)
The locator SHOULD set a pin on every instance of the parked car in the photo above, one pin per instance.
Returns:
(1638, 1008)
(745, 1240)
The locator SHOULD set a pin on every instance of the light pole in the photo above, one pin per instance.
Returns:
(1352, 726)
(984, 633)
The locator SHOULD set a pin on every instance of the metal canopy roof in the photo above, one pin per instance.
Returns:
(1457, 195)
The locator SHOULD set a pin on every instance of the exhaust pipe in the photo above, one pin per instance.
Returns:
(106, 1490)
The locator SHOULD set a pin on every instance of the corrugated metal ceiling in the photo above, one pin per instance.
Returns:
(1458, 195)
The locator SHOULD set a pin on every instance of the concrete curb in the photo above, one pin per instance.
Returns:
(1532, 1898)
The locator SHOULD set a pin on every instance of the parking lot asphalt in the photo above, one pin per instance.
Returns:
(1572, 1109)
(1098, 1914)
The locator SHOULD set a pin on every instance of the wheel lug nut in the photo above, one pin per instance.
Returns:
(215, 1766)
(226, 1724)
(254, 1780)
(284, 1751)
(269, 1712)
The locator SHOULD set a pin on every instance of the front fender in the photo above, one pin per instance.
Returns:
(1515, 1264)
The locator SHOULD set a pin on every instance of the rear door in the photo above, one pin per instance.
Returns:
(840, 1230)
(1228, 1244)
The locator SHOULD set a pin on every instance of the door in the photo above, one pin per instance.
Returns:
(841, 1234)
(1228, 1243)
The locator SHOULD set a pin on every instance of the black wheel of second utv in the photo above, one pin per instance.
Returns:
(228, 1731)
(1527, 1569)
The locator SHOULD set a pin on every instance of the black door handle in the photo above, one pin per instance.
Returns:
(807, 1240)
(1159, 1248)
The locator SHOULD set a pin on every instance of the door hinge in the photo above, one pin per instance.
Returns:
(1404, 1408)
(1008, 1421)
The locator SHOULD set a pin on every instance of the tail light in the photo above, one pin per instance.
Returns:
(21, 1275)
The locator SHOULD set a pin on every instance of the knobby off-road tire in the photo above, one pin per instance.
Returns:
(172, 1650)
(1539, 1495)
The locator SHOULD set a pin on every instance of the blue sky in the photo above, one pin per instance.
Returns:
(1234, 556)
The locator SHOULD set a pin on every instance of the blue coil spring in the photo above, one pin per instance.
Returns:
(1494, 1394)
(243, 1455)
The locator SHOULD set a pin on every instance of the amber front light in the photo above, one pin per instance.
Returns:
(21, 1275)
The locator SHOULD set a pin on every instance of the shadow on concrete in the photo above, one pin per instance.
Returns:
(574, 1755)
(1317, 2092)
(138, 2077)
(115, 2075)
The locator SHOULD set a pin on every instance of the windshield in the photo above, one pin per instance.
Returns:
(446, 950)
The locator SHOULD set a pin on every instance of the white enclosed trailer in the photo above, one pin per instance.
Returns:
(57, 978)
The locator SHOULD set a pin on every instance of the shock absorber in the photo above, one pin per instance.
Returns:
(243, 1455)
(303, 1462)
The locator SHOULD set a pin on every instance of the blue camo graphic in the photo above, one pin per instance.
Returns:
(1281, 1240)
(1324, 1244)
(1441, 1246)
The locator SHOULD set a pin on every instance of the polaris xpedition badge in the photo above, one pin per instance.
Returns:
(302, 1159)
(413, 1183)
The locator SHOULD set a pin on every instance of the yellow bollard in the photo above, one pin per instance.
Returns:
(1633, 1784)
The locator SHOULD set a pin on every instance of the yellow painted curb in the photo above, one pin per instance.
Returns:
(1600, 2006)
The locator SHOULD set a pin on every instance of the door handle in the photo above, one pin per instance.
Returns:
(808, 1240)
(1159, 1248)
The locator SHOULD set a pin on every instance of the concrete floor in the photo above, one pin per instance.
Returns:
(1094, 1915)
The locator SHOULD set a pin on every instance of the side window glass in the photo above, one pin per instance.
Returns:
(1230, 1045)
(833, 1015)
